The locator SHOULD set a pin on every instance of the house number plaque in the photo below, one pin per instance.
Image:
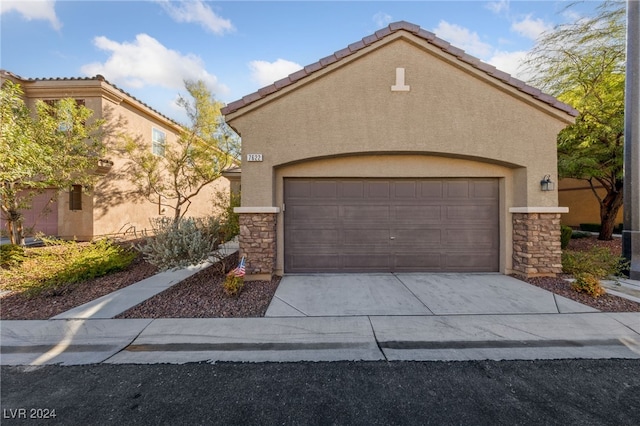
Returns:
(254, 157)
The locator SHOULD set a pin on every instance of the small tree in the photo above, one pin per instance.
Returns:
(204, 149)
(583, 64)
(55, 146)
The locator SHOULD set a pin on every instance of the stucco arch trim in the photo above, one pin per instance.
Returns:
(360, 156)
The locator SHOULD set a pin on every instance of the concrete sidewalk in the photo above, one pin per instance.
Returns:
(355, 317)
(360, 338)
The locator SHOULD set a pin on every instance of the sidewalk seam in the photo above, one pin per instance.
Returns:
(412, 293)
(373, 330)
(129, 344)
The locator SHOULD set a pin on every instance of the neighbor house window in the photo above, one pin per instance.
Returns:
(75, 197)
(65, 118)
(158, 142)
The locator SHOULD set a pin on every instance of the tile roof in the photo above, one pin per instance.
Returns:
(98, 77)
(379, 35)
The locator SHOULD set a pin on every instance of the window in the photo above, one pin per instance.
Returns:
(75, 197)
(65, 117)
(158, 142)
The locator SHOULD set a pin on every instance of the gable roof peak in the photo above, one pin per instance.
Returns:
(392, 28)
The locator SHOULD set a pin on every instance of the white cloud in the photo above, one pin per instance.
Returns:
(498, 7)
(509, 62)
(197, 11)
(464, 39)
(146, 62)
(265, 73)
(382, 19)
(531, 28)
(33, 10)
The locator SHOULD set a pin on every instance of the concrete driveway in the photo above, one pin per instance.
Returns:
(413, 294)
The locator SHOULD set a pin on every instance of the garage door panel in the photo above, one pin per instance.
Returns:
(351, 190)
(431, 190)
(392, 225)
(366, 262)
(312, 213)
(418, 214)
(418, 262)
(312, 262)
(457, 189)
(404, 190)
(314, 237)
(465, 213)
(359, 237)
(364, 212)
(485, 189)
(470, 261)
(474, 238)
(417, 237)
(378, 190)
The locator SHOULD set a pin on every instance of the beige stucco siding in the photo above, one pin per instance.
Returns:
(450, 111)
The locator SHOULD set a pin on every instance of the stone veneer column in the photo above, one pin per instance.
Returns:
(258, 241)
(536, 241)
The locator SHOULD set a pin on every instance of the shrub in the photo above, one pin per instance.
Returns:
(61, 265)
(181, 243)
(580, 234)
(598, 261)
(85, 262)
(229, 220)
(589, 284)
(595, 227)
(11, 255)
(565, 236)
(233, 285)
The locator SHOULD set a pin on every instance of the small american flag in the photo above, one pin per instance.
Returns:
(239, 271)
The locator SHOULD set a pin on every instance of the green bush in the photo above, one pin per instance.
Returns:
(595, 227)
(233, 285)
(589, 284)
(86, 262)
(229, 220)
(61, 265)
(599, 262)
(580, 234)
(565, 236)
(11, 255)
(181, 243)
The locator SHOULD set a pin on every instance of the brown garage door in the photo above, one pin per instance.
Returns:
(391, 225)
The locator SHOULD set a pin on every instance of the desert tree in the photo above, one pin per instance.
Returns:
(583, 64)
(205, 147)
(54, 146)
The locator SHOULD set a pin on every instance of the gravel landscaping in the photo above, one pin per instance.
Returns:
(202, 296)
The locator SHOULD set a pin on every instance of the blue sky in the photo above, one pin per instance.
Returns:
(148, 48)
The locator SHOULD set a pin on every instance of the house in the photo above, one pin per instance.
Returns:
(399, 153)
(583, 205)
(112, 207)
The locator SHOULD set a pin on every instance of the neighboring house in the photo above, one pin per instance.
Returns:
(399, 153)
(112, 206)
(583, 205)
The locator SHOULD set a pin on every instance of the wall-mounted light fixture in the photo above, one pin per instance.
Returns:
(546, 184)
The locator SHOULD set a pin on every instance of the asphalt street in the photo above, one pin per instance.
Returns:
(562, 392)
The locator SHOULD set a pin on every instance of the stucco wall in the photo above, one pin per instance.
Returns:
(582, 203)
(455, 121)
(450, 110)
(117, 205)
